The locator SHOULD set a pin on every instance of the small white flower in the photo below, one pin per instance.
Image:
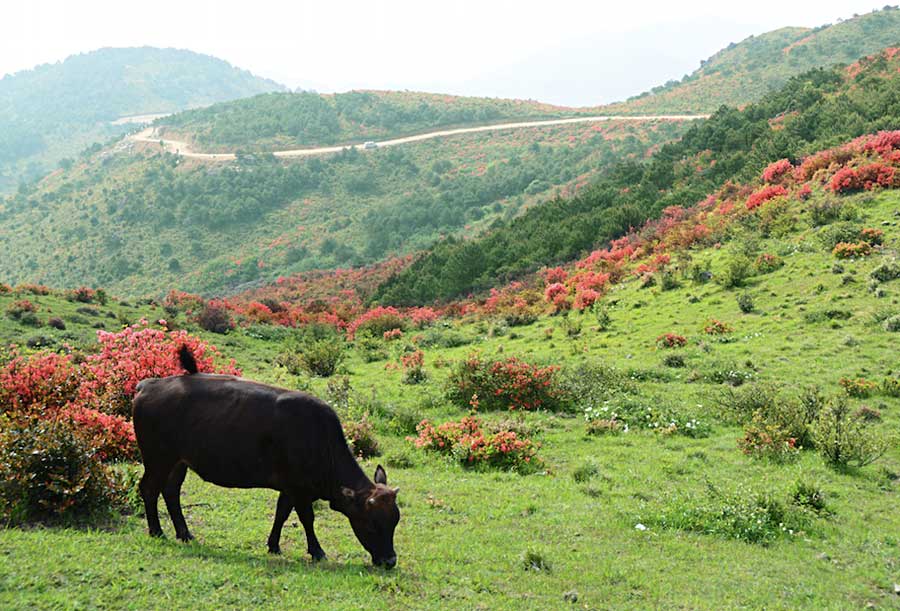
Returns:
(640, 526)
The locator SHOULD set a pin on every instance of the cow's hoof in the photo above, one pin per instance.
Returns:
(185, 537)
(318, 555)
(274, 550)
(157, 534)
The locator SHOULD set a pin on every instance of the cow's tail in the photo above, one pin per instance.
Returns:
(188, 362)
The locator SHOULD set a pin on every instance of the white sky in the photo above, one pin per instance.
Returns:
(457, 46)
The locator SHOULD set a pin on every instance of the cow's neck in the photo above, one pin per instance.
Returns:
(348, 474)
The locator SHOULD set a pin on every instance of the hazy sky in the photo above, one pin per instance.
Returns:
(599, 51)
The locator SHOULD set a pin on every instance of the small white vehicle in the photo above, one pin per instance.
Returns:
(370, 145)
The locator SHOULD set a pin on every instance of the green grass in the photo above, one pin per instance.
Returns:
(466, 538)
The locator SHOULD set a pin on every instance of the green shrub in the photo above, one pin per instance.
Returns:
(754, 517)
(589, 385)
(887, 271)
(601, 314)
(834, 234)
(674, 360)
(745, 303)
(48, 472)
(737, 269)
(668, 280)
(318, 357)
(809, 496)
(891, 387)
(844, 439)
(585, 471)
(892, 324)
(507, 384)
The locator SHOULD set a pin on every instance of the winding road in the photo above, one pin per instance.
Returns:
(150, 135)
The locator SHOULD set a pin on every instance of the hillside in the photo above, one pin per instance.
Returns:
(280, 121)
(55, 110)
(746, 71)
(812, 111)
(138, 221)
(665, 476)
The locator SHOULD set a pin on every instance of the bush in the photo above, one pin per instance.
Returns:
(671, 340)
(892, 324)
(601, 314)
(839, 232)
(754, 517)
(887, 271)
(764, 439)
(215, 317)
(745, 303)
(674, 360)
(717, 327)
(468, 444)
(738, 268)
(17, 309)
(48, 472)
(891, 387)
(413, 367)
(604, 426)
(809, 496)
(38, 385)
(668, 280)
(361, 437)
(508, 384)
(56, 323)
(859, 387)
(376, 322)
(766, 263)
(844, 439)
(852, 250)
(316, 356)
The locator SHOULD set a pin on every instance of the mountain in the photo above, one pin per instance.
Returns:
(136, 219)
(55, 110)
(745, 71)
(814, 110)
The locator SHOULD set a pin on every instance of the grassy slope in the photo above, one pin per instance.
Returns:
(103, 222)
(746, 71)
(463, 533)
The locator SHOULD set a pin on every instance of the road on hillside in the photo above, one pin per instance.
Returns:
(151, 135)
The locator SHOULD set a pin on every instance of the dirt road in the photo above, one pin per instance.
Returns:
(183, 148)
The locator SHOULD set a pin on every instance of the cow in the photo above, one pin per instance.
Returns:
(241, 434)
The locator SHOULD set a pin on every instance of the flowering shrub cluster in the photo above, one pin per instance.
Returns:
(766, 263)
(871, 236)
(468, 443)
(858, 387)
(360, 436)
(671, 340)
(852, 250)
(94, 396)
(766, 439)
(867, 177)
(413, 367)
(776, 171)
(760, 197)
(377, 321)
(717, 327)
(510, 384)
(392, 335)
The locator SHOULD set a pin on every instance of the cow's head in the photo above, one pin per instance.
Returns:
(374, 515)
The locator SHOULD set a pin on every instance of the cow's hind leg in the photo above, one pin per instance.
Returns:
(307, 517)
(152, 483)
(285, 504)
(172, 495)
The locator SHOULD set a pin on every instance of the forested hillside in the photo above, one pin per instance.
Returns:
(55, 110)
(812, 111)
(746, 71)
(279, 121)
(138, 221)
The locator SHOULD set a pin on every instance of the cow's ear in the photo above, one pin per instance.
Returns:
(380, 475)
(348, 493)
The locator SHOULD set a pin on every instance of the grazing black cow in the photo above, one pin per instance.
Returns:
(243, 434)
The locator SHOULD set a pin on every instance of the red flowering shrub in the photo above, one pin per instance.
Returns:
(777, 171)
(392, 335)
(851, 250)
(34, 289)
(766, 263)
(136, 353)
(867, 177)
(872, 236)
(760, 197)
(42, 383)
(804, 193)
(82, 295)
(413, 367)
(508, 384)
(360, 436)
(5, 288)
(763, 439)
(555, 275)
(377, 321)
(717, 327)
(258, 312)
(671, 340)
(555, 290)
(422, 317)
(17, 309)
(468, 443)
(585, 298)
(109, 437)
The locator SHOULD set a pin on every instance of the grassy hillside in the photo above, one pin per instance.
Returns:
(812, 111)
(55, 110)
(667, 512)
(142, 222)
(746, 71)
(279, 121)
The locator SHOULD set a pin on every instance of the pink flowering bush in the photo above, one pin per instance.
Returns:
(42, 383)
(510, 384)
(136, 353)
(760, 197)
(472, 446)
(392, 335)
(776, 171)
(717, 327)
(377, 321)
(766, 263)
(852, 250)
(863, 178)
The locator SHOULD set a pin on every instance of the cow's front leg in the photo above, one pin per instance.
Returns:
(285, 504)
(305, 512)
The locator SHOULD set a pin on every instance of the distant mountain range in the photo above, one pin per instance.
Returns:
(55, 110)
